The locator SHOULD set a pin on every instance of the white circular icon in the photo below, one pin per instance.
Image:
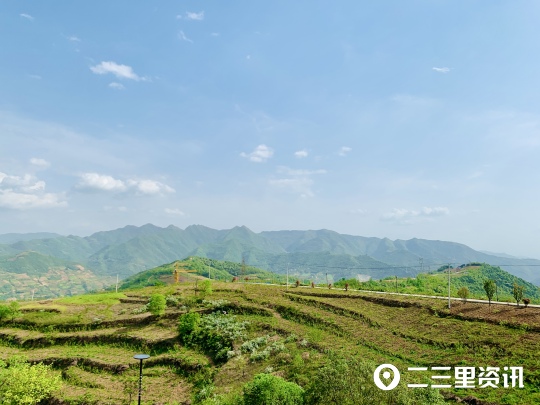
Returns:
(386, 375)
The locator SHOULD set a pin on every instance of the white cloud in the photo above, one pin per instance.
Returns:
(215, 34)
(42, 163)
(26, 192)
(195, 16)
(441, 69)
(116, 86)
(22, 201)
(120, 71)
(260, 154)
(174, 211)
(404, 216)
(301, 154)
(183, 37)
(344, 150)
(36, 77)
(27, 16)
(73, 38)
(149, 187)
(99, 182)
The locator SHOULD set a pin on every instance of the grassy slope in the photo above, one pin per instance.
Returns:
(100, 332)
(437, 283)
(209, 268)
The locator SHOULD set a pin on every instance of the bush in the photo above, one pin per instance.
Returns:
(24, 384)
(206, 288)
(214, 333)
(267, 389)
(463, 293)
(157, 304)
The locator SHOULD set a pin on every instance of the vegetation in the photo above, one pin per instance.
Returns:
(157, 304)
(490, 288)
(267, 389)
(517, 292)
(25, 384)
(207, 350)
(463, 293)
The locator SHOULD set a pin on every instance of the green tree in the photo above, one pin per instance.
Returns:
(157, 304)
(463, 293)
(206, 288)
(24, 384)
(267, 389)
(489, 287)
(517, 292)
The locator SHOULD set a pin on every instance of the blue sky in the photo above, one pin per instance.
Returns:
(390, 119)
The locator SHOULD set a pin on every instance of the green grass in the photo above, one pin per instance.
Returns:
(401, 330)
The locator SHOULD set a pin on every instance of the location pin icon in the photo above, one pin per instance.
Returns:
(386, 376)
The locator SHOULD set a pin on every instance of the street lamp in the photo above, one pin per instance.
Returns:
(140, 357)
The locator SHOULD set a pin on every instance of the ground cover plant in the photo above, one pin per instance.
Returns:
(209, 348)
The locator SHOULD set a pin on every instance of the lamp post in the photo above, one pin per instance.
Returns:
(140, 357)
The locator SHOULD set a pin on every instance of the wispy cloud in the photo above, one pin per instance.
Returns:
(26, 192)
(27, 16)
(183, 37)
(120, 71)
(299, 172)
(300, 185)
(405, 217)
(174, 211)
(116, 86)
(358, 211)
(442, 69)
(190, 15)
(301, 154)
(344, 150)
(41, 163)
(260, 154)
(73, 38)
(298, 182)
(105, 183)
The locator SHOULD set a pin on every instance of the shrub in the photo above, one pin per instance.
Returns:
(25, 384)
(172, 301)
(297, 283)
(526, 301)
(267, 389)
(157, 304)
(489, 287)
(214, 333)
(463, 293)
(206, 288)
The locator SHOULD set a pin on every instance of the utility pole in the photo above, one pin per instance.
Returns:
(396, 284)
(116, 283)
(287, 275)
(243, 268)
(421, 260)
(327, 283)
(449, 286)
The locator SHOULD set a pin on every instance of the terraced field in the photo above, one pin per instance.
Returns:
(90, 340)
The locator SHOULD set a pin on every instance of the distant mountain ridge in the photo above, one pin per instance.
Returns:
(312, 254)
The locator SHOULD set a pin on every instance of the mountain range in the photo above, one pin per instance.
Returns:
(311, 254)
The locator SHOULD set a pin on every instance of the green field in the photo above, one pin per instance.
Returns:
(90, 340)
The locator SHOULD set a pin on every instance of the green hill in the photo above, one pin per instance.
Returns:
(202, 267)
(436, 283)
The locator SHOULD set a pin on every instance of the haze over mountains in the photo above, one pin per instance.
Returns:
(308, 254)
